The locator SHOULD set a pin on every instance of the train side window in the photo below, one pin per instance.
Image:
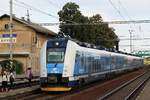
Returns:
(77, 63)
(96, 69)
(86, 63)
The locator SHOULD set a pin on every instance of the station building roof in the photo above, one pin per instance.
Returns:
(32, 25)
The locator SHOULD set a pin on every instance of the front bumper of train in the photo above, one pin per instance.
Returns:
(56, 88)
(52, 84)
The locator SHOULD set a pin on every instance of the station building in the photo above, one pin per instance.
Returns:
(27, 39)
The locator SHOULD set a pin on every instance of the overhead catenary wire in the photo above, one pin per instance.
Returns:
(36, 9)
(118, 11)
(84, 24)
(3, 10)
(127, 14)
(17, 4)
(133, 45)
(40, 11)
(111, 22)
(132, 29)
(125, 10)
(147, 38)
(106, 22)
(53, 4)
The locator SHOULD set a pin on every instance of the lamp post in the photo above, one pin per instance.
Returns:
(10, 28)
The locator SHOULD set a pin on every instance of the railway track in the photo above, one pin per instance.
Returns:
(129, 90)
(36, 95)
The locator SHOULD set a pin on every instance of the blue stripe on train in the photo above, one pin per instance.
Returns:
(55, 68)
(73, 83)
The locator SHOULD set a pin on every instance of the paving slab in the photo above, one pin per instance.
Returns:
(145, 93)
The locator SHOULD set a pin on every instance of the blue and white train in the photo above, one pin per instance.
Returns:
(66, 64)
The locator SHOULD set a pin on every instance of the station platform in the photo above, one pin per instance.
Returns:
(21, 79)
(13, 92)
(145, 93)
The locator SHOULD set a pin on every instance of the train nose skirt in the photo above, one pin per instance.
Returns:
(56, 89)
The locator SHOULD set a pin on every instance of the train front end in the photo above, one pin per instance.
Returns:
(52, 65)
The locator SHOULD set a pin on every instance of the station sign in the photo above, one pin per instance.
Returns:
(6, 38)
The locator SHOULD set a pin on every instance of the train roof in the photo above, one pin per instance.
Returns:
(87, 45)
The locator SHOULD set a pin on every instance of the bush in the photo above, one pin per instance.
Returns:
(17, 66)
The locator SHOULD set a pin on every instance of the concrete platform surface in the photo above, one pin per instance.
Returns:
(20, 77)
(19, 81)
(18, 91)
(145, 93)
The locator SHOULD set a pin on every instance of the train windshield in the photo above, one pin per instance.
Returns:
(55, 55)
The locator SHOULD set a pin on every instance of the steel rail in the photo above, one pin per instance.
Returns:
(136, 89)
(120, 87)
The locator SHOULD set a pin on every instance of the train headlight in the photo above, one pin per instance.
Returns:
(57, 43)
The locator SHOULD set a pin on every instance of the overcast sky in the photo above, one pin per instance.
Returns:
(110, 10)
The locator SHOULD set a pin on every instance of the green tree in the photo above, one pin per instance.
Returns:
(68, 15)
(102, 34)
(92, 30)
